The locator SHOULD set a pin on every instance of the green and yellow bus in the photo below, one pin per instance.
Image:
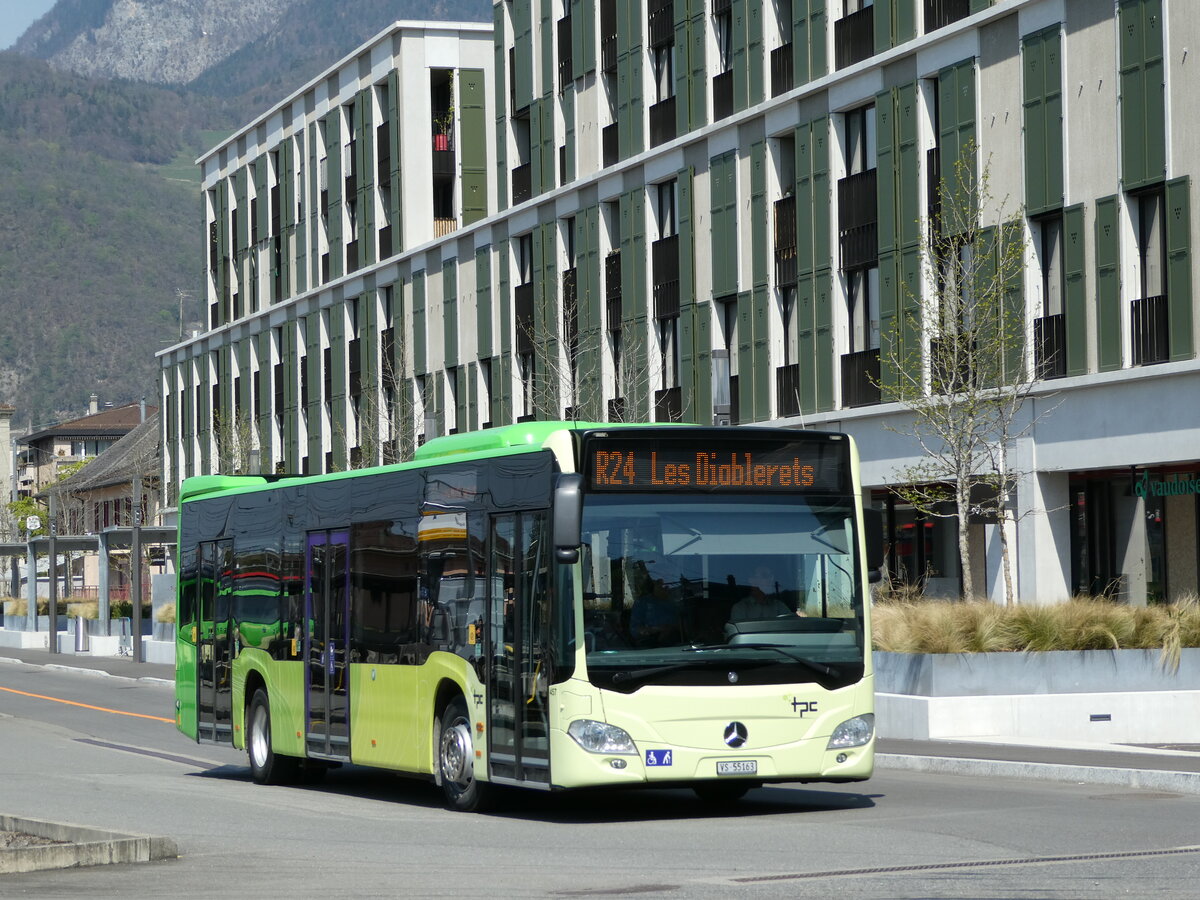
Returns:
(550, 605)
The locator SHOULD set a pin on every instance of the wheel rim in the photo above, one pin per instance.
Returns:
(457, 754)
(260, 741)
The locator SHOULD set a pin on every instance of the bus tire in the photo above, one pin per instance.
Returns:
(456, 760)
(721, 793)
(265, 766)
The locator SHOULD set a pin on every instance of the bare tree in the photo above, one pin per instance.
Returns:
(955, 358)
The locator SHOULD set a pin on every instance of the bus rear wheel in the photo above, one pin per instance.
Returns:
(265, 766)
(720, 793)
(456, 760)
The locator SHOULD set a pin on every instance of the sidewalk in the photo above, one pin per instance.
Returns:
(1172, 768)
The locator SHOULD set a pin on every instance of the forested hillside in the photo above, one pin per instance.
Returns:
(100, 224)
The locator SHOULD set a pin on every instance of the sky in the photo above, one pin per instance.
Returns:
(17, 15)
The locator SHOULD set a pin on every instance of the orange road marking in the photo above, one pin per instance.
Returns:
(116, 712)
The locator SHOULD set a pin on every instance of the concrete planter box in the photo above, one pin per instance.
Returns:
(1089, 696)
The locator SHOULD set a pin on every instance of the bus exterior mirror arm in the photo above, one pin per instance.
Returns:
(568, 513)
(873, 528)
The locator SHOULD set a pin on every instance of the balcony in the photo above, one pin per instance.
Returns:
(787, 389)
(523, 304)
(1050, 346)
(665, 264)
(612, 290)
(940, 13)
(616, 409)
(785, 241)
(443, 227)
(566, 64)
(722, 88)
(352, 261)
(522, 186)
(662, 122)
(385, 242)
(608, 35)
(1148, 326)
(668, 405)
(858, 218)
(661, 22)
(860, 378)
(610, 144)
(782, 74)
(854, 37)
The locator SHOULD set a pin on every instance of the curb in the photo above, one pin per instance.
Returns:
(81, 847)
(1142, 779)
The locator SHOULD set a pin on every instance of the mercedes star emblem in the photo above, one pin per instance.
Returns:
(735, 734)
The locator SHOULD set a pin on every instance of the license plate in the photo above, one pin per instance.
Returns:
(737, 767)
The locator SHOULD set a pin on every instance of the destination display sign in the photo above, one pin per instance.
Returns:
(806, 466)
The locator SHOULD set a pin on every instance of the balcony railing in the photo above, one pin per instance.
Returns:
(610, 144)
(608, 35)
(352, 256)
(858, 215)
(787, 389)
(950, 363)
(722, 87)
(940, 13)
(661, 22)
(665, 260)
(522, 186)
(662, 122)
(612, 290)
(854, 37)
(385, 242)
(616, 409)
(782, 74)
(1148, 325)
(785, 241)
(933, 189)
(383, 153)
(668, 405)
(566, 63)
(734, 401)
(860, 378)
(523, 303)
(443, 227)
(1050, 346)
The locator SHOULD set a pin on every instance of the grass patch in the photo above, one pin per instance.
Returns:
(909, 625)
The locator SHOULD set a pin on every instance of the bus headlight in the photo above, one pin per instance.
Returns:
(853, 732)
(600, 737)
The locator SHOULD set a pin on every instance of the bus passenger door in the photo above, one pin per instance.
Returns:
(213, 635)
(518, 629)
(327, 644)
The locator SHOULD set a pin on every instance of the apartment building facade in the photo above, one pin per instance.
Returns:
(699, 209)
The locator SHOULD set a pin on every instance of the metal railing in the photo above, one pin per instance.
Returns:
(786, 263)
(854, 37)
(722, 90)
(668, 405)
(860, 378)
(1050, 346)
(610, 144)
(787, 389)
(940, 13)
(782, 69)
(665, 265)
(522, 184)
(523, 307)
(858, 217)
(612, 290)
(662, 122)
(1149, 330)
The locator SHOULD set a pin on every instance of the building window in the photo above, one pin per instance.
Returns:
(1050, 351)
(1148, 311)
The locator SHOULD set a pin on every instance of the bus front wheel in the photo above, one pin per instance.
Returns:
(456, 760)
(265, 766)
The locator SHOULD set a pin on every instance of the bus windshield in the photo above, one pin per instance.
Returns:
(716, 589)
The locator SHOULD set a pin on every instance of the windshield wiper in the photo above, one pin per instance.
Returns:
(640, 674)
(819, 668)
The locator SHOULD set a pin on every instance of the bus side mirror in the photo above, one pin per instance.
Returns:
(568, 512)
(873, 527)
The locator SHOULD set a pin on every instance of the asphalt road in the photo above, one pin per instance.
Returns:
(369, 834)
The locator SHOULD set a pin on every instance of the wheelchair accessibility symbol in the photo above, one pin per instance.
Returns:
(658, 757)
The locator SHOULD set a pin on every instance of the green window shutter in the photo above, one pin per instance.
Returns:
(634, 303)
(1043, 120)
(689, 374)
(889, 320)
(549, 148)
(806, 339)
(260, 192)
(500, 101)
(1012, 303)
(1143, 112)
(741, 40)
(756, 55)
(504, 297)
(683, 69)
(1108, 284)
(464, 403)
(637, 120)
(473, 146)
(907, 160)
(394, 128)
(522, 74)
(801, 56)
(420, 363)
(578, 66)
(535, 148)
(1179, 268)
(823, 323)
(722, 174)
(549, 73)
(568, 108)
(626, 109)
(588, 310)
(701, 410)
(483, 301)
(817, 26)
(760, 253)
(885, 170)
(883, 15)
(502, 375)
(450, 312)
(804, 198)
(956, 110)
(698, 83)
(745, 362)
(1075, 290)
(822, 253)
(761, 367)
(313, 360)
(587, 47)
(980, 5)
(904, 15)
